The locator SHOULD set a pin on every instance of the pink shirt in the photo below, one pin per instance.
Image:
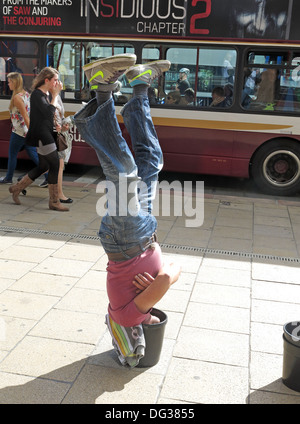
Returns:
(120, 289)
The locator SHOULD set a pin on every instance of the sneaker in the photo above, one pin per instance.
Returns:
(3, 180)
(44, 184)
(108, 69)
(144, 74)
(118, 87)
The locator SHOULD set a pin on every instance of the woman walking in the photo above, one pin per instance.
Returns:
(61, 126)
(41, 134)
(19, 109)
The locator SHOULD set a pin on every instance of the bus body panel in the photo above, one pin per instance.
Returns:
(219, 152)
(223, 44)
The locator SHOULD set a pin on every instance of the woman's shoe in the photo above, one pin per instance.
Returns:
(18, 188)
(66, 201)
(54, 202)
(3, 180)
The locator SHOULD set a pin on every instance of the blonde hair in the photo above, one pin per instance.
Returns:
(46, 73)
(16, 77)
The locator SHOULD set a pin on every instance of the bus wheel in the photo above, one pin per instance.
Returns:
(276, 168)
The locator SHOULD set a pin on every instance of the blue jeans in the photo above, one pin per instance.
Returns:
(16, 143)
(130, 181)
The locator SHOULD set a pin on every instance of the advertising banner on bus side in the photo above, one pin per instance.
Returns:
(224, 19)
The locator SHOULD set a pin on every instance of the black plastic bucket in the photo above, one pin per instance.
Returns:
(154, 335)
(291, 355)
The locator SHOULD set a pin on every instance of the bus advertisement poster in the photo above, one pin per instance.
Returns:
(234, 19)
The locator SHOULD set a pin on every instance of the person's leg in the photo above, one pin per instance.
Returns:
(27, 179)
(61, 196)
(59, 180)
(48, 160)
(32, 153)
(101, 130)
(52, 162)
(40, 169)
(16, 143)
(44, 184)
(138, 121)
(97, 121)
(99, 127)
(16, 189)
(121, 227)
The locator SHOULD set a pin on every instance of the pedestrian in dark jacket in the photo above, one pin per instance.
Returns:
(42, 134)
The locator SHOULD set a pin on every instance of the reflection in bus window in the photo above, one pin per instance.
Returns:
(153, 96)
(64, 55)
(251, 79)
(189, 97)
(198, 68)
(18, 56)
(266, 87)
(268, 58)
(68, 58)
(273, 87)
(216, 68)
(265, 90)
(151, 53)
(174, 98)
(218, 97)
(182, 70)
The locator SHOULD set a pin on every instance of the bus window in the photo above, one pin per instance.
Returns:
(151, 53)
(204, 70)
(199, 70)
(180, 58)
(268, 58)
(182, 73)
(216, 76)
(289, 91)
(262, 89)
(18, 56)
(62, 56)
(273, 87)
(69, 57)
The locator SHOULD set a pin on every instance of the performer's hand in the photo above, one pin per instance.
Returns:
(170, 270)
(142, 281)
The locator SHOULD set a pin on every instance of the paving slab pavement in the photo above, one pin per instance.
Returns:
(223, 344)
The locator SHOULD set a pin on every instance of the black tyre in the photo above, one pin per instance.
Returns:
(276, 167)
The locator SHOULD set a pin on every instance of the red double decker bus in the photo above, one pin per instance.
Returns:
(241, 61)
